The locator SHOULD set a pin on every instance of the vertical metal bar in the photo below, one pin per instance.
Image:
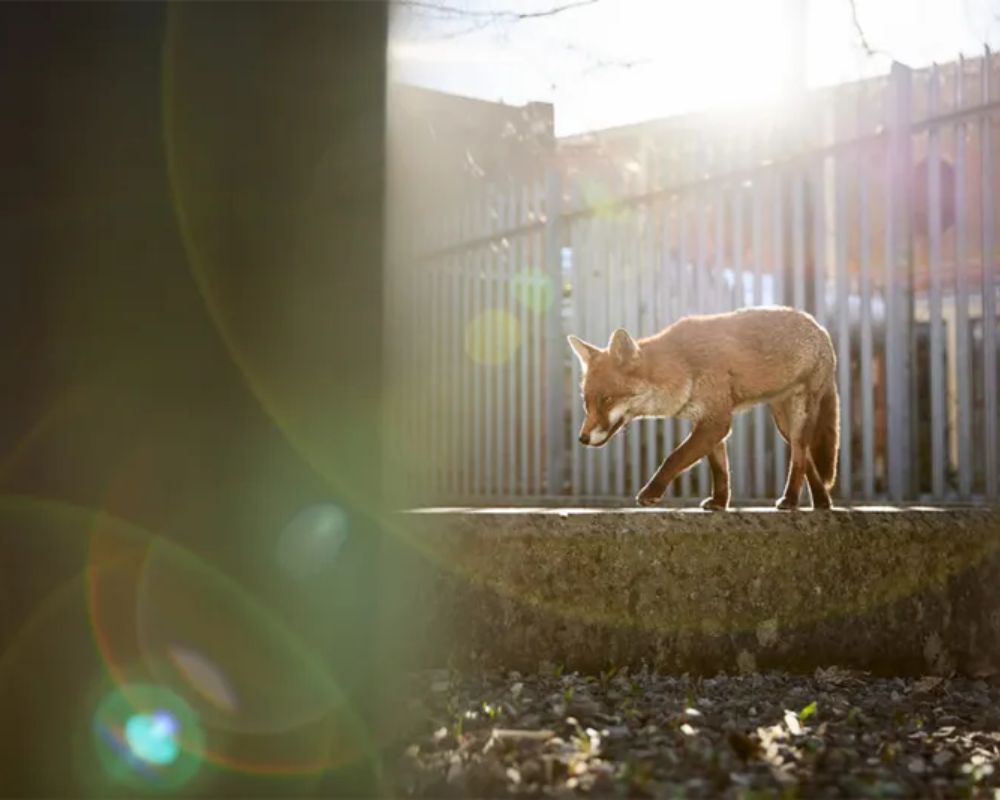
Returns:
(444, 391)
(576, 327)
(778, 282)
(798, 241)
(581, 230)
(652, 323)
(634, 301)
(436, 339)
(601, 286)
(819, 240)
(455, 404)
(445, 384)
(475, 294)
(939, 455)
(618, 317)
(395, 333)
(701, 292)
(422, 276)
(487, 327)
(513, 335)
(430, 285)
(721, 300)
(575, 231)
(410, 351)
(897, 280)
(668, 305)
(460, 308)
(417, 378)
(989, 291)
(502, 331)
(842, 278)
(600, 459)
(609, 264)
(684, 308)
(757, 233)
(757, 240)
(544, 304)
(963, 361)
(593, 294)
(522, 283)
(865, 290)
(738, 452)
(719, 303)
(400, 349)
(463, 393)
(414, 351)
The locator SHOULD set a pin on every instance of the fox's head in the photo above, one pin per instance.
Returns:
(611, 386)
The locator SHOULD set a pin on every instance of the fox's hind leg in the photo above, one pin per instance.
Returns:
(820, 494)
(718, 460)
(795, 421)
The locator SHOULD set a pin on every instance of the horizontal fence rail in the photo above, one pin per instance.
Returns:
(879, 219)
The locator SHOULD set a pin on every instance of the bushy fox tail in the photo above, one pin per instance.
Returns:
(826, 439)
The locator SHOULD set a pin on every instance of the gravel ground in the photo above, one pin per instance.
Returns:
(834, 734)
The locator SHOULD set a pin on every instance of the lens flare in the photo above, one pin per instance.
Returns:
(312, 541)
(204, 676)
(241, 669)
(597, 196)
(147, 737)
(153, 737)
(492, 338)
(533, 290)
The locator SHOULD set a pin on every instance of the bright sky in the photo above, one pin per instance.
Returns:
(615, 62)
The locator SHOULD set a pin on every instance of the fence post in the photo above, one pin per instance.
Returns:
(555, 347)
(898, 288)
(989, 317)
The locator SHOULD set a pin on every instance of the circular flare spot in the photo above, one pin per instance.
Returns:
(533, 290)
(153, 737)
(147, 737)
(492, 338)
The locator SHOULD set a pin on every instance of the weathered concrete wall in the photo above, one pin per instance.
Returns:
(909, 591)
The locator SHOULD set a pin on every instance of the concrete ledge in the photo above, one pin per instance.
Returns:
(896, 591)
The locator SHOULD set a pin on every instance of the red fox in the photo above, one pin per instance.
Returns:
(707, 368)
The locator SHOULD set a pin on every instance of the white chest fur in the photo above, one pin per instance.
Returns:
(652, 401)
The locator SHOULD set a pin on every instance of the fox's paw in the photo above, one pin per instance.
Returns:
(821, 501)
(649, 496)
(711, 504)
(786, 504)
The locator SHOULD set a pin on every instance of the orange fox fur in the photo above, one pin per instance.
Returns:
(706, 369)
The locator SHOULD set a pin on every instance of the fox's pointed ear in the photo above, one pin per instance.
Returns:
(623, 347)
(583, 351)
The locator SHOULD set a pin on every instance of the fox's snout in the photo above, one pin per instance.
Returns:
(594, 436)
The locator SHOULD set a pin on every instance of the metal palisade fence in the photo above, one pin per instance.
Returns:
(874, 209)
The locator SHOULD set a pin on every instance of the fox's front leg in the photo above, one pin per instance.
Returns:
(707, 434)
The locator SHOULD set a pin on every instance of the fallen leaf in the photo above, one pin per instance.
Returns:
(927, 684)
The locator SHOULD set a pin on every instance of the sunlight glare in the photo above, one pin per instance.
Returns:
(749, 61)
